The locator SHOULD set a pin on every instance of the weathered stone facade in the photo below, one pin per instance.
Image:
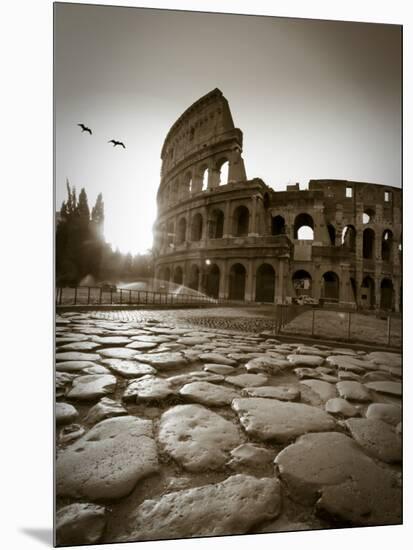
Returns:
(236, 238)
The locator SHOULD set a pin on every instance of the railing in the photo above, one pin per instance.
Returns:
(331, 322)
(87, 295)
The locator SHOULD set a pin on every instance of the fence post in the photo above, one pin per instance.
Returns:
(75, 295)
(120, 295)
(100, 295)
(111, 296)
(312, 322)
(349, 326)
(388, 329)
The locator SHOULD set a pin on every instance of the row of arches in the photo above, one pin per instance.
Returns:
(200, 179)
(195, 230)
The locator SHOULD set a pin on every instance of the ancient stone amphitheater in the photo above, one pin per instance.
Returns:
(236, 238)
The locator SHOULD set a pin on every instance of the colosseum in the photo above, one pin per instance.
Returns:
(235, 238)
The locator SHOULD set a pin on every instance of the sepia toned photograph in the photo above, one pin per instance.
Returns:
(228, 274)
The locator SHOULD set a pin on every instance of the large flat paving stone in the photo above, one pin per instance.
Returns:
(377, 438)
(324, 390)
(283, 393)
(105, 408)
(151, 338)
(148, 388)
(92, 386)
(331, 471)
(269, 419)
(390, 388)
(79, 346)
(76, 356)
(163, 361)
(233, 506)
(108, 461)
(217, 358)
(128, 368)
(141, 346)
(268, 364)
(117, 353)
(80, 523)
(111, 340)
(305, 360)
(196, 437)
(340, 407)
(354, 391)
(247, 380)
(249, 455)
(207, 393)
(195, 376)
(348, 362)
(74, 366)
(65, 413)
(219, 369)
(387, 412)
(385, 358)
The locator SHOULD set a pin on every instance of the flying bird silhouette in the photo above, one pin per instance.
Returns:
(85, 128)
(117, 143)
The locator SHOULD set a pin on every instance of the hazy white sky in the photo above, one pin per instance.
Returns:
(314, 99)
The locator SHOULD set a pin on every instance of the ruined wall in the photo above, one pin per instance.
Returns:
(236, 238)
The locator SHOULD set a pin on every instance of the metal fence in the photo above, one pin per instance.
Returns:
(339, 324)
(87, 295)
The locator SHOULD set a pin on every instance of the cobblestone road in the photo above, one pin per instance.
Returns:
(165, 418)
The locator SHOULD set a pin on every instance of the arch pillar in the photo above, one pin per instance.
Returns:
(250, 282)
(223, 283)
(227, 221)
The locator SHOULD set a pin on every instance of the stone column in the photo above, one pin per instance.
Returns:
(249, 283)
(223, 282)
(253, 225)
(280, 282)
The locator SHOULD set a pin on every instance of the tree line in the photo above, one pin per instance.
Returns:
(82, 254)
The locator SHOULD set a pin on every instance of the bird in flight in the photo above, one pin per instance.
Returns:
(117, 143)
(85, 128)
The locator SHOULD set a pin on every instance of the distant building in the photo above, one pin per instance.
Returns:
(236, 238)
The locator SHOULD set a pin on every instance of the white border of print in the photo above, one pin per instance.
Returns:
(27, 271)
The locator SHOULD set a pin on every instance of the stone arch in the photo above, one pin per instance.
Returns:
(216, 224)
(277, 225)
(212, 281)
(186, 185)
(181, 232)
(331, 233)
(368, 216)
(170, 233)
(368, 243)
(302, 283)
(387, 246)
(194, 277)
(241, 221)
(265, 283)
(204, 177)
(348, 237)
(368, 298)
(237, 280)
(304, 227)
(166, 276)
(178, 275)
(386, 294)
(222, 171)
(196, 227)
(331, 286)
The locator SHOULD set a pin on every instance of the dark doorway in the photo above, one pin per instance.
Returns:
(212, 281)
(331, 288)
(368, 244)
(241, 221)
(277, 225)
(386, 294)
(178, 275)
(265, 282)
(216, 224)
(194, 277)
(368, 298)
(237, 278)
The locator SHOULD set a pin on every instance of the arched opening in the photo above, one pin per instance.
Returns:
(204, 178)
(368, 298)
(181, 236)
(178, 275)
(387, 246)
(265, 284)
(216, 224)
(304, 227)
(368, 243)
(196, 227)
(302, 283)
(166, 274)
(223, 169)
(332, 234)
(212, 281)
(386, 294)
(237, 277)
(348, 238)
(277, 225)
(186, 184)
(368, 216)
(241, 221)
(353, 285)
(194, 277)
(331, 287)
(170, 233)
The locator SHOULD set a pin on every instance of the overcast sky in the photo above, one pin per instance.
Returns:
(314, 99)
